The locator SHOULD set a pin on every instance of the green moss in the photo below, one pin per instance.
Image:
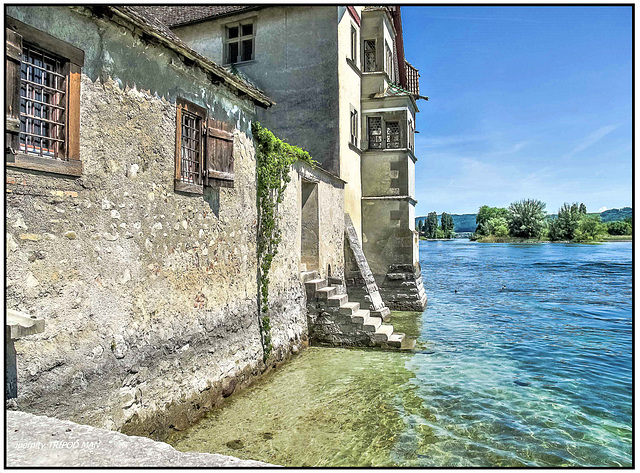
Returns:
(274, 158)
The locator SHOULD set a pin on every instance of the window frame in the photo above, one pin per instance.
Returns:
(72, 60)
(354, 44)
(374, 52)
(227, 41)
(354, 126)
(179, 184)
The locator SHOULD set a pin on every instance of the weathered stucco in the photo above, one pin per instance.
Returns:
(149, 295)
(295, 64)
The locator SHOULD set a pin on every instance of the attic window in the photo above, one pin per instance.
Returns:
(239, 42)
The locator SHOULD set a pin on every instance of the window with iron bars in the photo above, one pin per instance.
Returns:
(42, 104)
(370, 55)
(191, 148)
(374, 125)
(42, 80)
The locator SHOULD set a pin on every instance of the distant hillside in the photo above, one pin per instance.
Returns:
(614, 215)
(461, 222)
(467, 222)
(611, 215)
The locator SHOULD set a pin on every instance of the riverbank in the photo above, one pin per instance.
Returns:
(39, 441)
(494, 239)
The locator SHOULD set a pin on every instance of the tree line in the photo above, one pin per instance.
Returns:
(527, 219)
(429, 227)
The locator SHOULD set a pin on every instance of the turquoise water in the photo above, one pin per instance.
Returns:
(535, 374)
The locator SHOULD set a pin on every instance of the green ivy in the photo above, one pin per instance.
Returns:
(274, 158)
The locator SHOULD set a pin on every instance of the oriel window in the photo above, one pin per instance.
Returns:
(370, 55)
(374, 125)
(393, 134)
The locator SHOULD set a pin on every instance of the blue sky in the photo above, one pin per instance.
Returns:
(524, 102)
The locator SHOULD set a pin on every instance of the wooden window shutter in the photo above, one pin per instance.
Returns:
(219, 154)
(12, 99)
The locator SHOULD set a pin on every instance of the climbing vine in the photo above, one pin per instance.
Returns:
(274, 158)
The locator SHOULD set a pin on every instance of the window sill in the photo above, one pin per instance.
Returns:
(241, 63)
(355, 148)
(187, 188)
(353, 65)
(72, 167)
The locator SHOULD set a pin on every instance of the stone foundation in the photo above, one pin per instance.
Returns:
(402, 288)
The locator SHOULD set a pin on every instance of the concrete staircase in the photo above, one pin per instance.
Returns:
(335, 321)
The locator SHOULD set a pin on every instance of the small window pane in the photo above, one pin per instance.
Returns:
(247, 50)
(375, 132)
(247, 29)
(233, 52)
(233, 32)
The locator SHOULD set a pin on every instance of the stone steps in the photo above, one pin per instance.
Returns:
(351, 324)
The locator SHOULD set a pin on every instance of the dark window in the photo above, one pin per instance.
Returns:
(239, 43)
(375, 132)
(370, 55)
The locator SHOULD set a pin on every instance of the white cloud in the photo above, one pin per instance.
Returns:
(591, 139)
(602, 209)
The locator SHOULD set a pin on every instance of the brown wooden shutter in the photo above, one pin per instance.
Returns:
(12, 99)
(219, 154)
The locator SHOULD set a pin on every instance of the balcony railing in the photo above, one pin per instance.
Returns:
(413, 82)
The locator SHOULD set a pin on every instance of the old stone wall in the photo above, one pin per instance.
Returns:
(149, 295)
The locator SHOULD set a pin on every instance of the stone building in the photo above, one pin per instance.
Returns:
(347, 95)
(131, 224)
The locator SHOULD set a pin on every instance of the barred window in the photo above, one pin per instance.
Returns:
(190, 122)
(42, 104)
(374, 124)
(370, 55)
(191, 148)
(42, 80)
(393, 134)
(239, 42)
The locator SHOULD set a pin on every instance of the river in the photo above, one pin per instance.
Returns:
(529, 363)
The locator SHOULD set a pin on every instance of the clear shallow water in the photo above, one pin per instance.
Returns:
(538, 374)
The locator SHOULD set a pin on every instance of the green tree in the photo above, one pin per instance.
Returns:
(486, 213)
(526, 218)
(498, 226)
(431, 226)
(589, 228)
(446, 223)
(619, 228)
(566, 224)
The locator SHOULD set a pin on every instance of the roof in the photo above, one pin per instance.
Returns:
(144, 18)
(182, 15)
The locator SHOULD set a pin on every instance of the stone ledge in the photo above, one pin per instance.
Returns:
(39, 441)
